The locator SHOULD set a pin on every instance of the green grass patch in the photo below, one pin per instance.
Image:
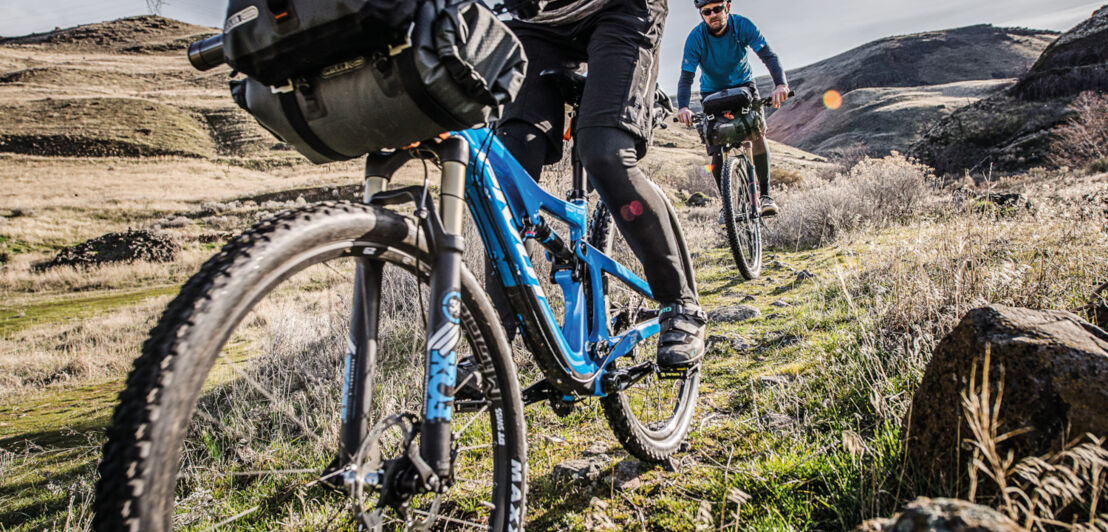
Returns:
(16, 317)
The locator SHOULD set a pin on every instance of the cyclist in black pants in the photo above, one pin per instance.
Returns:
(619, 41)
(718, 47)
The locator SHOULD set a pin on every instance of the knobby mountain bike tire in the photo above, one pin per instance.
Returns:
(223, 425)
(650, 418)
(741, 223)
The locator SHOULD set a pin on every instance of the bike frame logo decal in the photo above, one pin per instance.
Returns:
(452, 307)
(442, 375)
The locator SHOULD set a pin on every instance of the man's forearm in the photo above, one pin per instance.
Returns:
(769, 58)
(684, 89)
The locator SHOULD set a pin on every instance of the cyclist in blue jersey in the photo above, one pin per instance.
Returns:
(718, 46)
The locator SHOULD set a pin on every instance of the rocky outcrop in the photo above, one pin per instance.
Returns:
(942, 515)
(1054, 367)
(1076, 62)
(1012, 130)
(124, 247)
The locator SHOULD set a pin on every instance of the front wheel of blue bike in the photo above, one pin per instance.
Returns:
(231, 417)
(651, 417)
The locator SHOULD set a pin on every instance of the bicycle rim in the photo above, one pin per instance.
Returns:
(651, 417)
(257, 372)
(741, 222)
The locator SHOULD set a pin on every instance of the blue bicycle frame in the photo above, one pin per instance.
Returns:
(504, 200)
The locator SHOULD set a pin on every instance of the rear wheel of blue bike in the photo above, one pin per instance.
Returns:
(231, 417)
(651, 417)
(744, 233)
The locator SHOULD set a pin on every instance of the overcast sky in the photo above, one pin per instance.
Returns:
(801, 31)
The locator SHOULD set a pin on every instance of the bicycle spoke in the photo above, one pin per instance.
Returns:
(274, 402)
(477, 414)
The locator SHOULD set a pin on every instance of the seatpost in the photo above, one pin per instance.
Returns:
(578, 190)
(443, 331)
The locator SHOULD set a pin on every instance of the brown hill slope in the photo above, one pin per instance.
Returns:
(141, 34)
(122, 87)
(897, 77)
(1011, 131)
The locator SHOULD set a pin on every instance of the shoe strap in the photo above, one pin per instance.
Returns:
(692, 312)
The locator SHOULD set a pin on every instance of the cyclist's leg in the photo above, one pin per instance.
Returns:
(613, 132)
(761, 169)
(638, 208)
(531, 127)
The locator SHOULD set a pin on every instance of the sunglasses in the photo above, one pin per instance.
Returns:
(708, 11)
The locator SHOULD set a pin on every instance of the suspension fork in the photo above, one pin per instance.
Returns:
(443, 329)
(361, 353)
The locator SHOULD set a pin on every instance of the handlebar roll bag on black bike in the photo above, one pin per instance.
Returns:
(744, 123)
(457, 68)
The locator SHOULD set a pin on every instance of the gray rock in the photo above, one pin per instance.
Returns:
(942, 515)
(733, 314)
(698, 199)
(1055, 371)
(747, 298)
(778, 265)
(717, 342)
(625, 475)
(781, 303)
(589, 468)
(804, 275)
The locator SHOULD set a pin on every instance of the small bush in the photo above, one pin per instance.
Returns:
(1083, 140)
(875, 192)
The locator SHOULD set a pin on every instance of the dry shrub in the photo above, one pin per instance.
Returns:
(923, 279)
(874, 193)
(1083, 140)
(1038, 492)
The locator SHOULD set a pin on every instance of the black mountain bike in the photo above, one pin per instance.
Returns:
(738, 185)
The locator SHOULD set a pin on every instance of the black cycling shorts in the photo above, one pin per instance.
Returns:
(620, 45)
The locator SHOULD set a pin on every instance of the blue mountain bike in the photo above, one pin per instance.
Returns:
(267, 397)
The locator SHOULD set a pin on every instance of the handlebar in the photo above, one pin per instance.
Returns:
(207, 54)
(759, 103)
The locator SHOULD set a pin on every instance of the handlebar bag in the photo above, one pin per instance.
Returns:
(463, 65)
(724, 131)
(734, 100)
(274, 40)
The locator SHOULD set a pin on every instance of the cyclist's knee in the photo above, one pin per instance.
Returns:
(606, 151)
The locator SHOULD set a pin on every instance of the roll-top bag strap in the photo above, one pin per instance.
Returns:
(295, 116)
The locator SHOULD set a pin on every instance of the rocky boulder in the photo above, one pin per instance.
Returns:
(129, 246)
(1055, 375)
(942, 515)
(1077, 61)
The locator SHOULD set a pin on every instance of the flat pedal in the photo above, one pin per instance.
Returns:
(674, 373)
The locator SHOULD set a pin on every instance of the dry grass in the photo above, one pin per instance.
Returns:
(1058, 491)
(874, 193)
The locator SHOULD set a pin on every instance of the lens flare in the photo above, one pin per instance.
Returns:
(709, 168)
(832, 99)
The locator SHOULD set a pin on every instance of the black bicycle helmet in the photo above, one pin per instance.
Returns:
(701, 3)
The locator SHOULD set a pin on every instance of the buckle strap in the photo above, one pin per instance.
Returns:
(692, 312)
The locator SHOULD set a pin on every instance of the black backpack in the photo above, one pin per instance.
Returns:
(275, 40)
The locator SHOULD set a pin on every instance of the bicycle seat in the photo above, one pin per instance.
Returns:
(570, 84)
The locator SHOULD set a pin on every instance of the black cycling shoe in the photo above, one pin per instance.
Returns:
(769, 207)
(681, 340)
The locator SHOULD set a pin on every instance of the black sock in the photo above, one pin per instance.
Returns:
(761, 167)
